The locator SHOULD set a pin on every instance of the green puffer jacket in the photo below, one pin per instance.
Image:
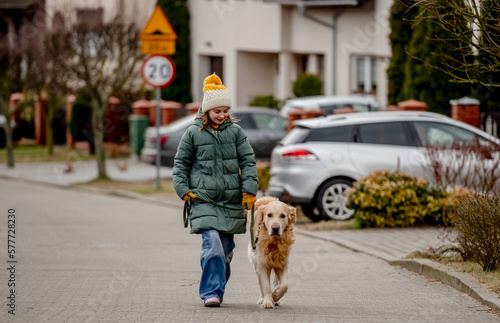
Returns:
(208, 162)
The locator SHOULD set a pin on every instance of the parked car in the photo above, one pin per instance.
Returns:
(318, 161)
(328, 104)
(264, 128)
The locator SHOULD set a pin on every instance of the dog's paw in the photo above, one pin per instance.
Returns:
(260, 301)
(276, 303)
(277, 295)
(267, 304)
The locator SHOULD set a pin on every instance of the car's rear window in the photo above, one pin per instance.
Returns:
(333, 134)
(296, 135)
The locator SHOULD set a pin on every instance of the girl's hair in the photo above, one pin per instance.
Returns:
(206, 120)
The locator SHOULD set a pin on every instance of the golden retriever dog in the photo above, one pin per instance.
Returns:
(273, 232)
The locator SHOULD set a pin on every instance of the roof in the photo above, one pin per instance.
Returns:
(17, 4)
(369, 117)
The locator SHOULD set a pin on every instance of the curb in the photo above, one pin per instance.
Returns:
(425, 267)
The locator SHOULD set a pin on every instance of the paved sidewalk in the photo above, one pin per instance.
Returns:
(391, 245)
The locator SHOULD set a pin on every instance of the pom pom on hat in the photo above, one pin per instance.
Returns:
(214, 94)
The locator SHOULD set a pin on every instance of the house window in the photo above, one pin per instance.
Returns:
(89, 16)
(364, 72)
(216, 66)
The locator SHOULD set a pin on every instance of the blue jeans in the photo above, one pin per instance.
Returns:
(215, 258)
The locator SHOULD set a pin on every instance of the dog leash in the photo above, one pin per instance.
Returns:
(188, 208)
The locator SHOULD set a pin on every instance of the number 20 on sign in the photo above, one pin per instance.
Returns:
(158, 71)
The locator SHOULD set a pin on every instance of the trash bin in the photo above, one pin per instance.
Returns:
(138, 124)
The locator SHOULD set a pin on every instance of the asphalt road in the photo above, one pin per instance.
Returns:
(85, 257)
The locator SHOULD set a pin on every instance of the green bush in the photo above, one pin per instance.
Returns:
(307, 85)
(394, 199)
(477, 229)
(265, 101)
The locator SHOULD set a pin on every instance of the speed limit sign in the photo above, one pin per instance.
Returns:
(158, 70)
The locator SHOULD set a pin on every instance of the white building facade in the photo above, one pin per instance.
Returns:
(259, 47)
(100, 10)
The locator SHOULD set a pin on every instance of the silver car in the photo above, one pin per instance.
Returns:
(318, 161)
(328, 104)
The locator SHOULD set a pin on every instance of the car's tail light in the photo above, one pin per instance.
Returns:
(299, 154)
(163, 140)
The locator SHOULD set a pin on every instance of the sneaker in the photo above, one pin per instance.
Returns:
(212, 302)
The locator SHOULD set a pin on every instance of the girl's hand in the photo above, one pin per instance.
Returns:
(248, 200)
(189, 196)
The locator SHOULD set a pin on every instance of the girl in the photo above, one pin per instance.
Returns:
(215, 168)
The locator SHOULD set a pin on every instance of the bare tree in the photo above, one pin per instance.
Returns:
(473, 33)
(11, 80)
(45, 75)
(101, 59)
(10, 61)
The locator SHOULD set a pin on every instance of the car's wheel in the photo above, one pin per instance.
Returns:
(331, 201)
(311, 212)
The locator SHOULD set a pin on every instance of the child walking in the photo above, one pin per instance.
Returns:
(215, 168)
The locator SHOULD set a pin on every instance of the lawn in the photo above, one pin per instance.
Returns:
(29, 152)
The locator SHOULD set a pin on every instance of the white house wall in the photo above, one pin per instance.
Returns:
(276, 35)
(260, 67)
(224, 28)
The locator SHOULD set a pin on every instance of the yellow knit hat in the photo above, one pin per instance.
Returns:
(214, 94)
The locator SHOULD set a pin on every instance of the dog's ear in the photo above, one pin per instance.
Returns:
(293, 214)
(259, 214)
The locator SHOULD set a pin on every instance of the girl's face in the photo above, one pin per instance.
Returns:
(218, 115)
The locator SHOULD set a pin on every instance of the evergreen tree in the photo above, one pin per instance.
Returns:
(400, 21)
(423, 81)
(177, 13)
(489, 95)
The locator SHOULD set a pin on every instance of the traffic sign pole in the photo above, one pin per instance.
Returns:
(158, 143)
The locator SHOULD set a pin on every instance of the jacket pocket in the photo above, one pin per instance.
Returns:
(208, 187)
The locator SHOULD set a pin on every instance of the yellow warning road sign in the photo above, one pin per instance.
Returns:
(158, 28)
(158, 47)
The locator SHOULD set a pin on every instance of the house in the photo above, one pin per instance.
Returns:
(97, 11)
(259, 47)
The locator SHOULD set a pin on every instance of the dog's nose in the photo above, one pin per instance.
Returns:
(275, 229)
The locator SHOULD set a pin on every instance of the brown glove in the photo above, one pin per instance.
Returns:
(248, 200)
(189, 196)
